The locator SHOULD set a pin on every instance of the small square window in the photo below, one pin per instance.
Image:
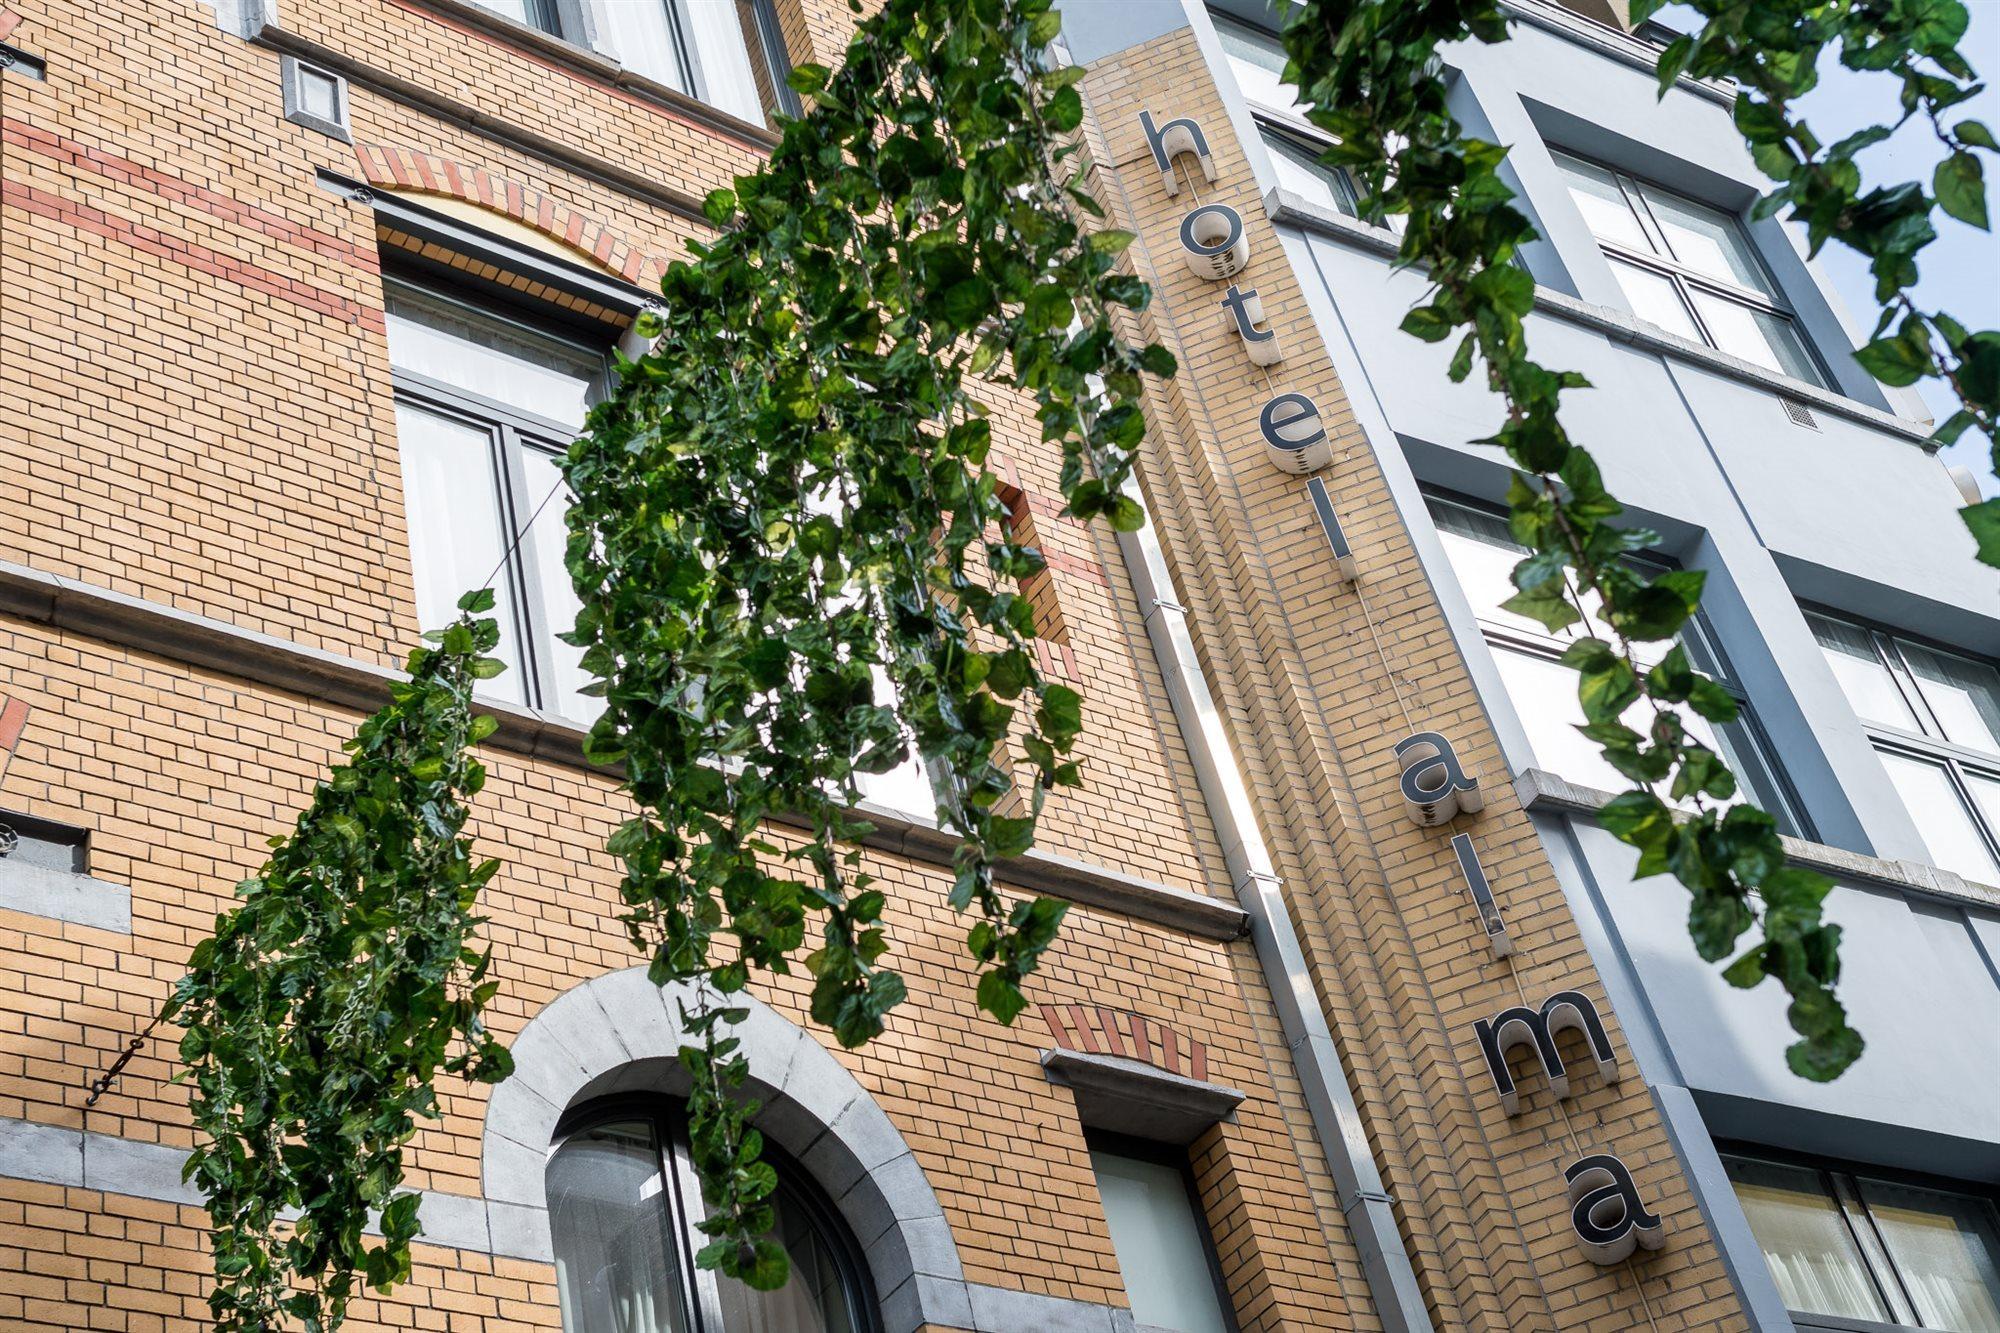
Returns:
(315, 98)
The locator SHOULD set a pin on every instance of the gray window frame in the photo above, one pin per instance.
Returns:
(1164, 1154)
(1929, 745)
(1687, 281)
(510, 433)
(1769, 785)
(293, 73)
(1841, 1181)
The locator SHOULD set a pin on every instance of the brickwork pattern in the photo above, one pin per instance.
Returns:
(1321, 679)
(194, 409)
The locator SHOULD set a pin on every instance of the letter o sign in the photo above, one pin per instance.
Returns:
(1213, 243)
(1293, 436)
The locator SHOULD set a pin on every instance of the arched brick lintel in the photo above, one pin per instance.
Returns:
(393, 168)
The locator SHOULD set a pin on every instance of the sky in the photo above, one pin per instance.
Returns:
(1959, 272)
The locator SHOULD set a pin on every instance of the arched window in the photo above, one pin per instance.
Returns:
(623, 1203)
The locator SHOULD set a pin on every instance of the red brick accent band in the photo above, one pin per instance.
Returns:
(13, 720)
(395, 168)
(9, 21)
(113, 167)
(152, 241)
(1097, 1030)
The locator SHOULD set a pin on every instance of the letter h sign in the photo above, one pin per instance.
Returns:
(1567, 1010)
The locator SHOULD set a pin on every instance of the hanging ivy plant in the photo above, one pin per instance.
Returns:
(325, 1004)
(792, 556)
(1369, 67)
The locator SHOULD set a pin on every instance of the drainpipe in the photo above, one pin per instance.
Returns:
(1392, 1283)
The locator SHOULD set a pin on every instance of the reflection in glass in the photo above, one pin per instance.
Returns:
(1759, 337)
(1863, 676)
(1301, 172)
(1945, 1250)
(482, 354)
(1707, 240)
(1964, 696)
(1812, 1255)
(549, 538)
(1655, 299)
(451, 496)
(1941, 818)
(1602, 202)
(1158, 1241)
(814, 1297)
(1258, 61)
(616, 1267)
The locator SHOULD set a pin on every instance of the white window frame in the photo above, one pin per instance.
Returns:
(1687, 281)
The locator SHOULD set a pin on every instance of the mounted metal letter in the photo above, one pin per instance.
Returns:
(1565, 1011)
(1606, 1212)
(1169, 141)
(1213, 243)
(1245, 313)
(1294, 439)
(1329, 522)
(1482, 896)
(1436, 789)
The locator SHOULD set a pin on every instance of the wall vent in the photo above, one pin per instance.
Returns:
(1800, 414)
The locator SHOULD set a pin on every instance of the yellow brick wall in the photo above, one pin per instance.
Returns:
(194, 410)
(1320, 680)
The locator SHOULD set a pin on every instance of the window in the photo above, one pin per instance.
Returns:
(1163, 1247)
(1934, 717)
(485, 405)
(1688, 268)
(724, 52)
(1483, 555)
(1853, 1244)
(1257, 59)
(623, 1204)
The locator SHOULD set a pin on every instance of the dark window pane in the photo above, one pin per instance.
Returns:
(813, 1300)
(616, 1268)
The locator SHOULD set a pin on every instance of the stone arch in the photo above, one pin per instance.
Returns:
(575, 1050)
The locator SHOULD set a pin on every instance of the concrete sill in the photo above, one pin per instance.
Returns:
(1131, 1097)
(344, 682)
(1542, 792)
(1285, 207)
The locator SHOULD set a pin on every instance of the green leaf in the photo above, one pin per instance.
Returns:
(1960, 185)
(1983, 520)
(476, 601)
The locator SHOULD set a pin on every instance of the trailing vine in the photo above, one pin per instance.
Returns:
(794, 563)
(1370, 69)
(320, 1011)
(1772, 49)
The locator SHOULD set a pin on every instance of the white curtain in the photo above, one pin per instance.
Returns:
(721, 58)
(638, 34)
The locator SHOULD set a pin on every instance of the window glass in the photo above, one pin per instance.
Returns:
(491, 357)
(617, 1270)
(722, 71)
(1863, 676)
(1963, 695)
(643, 36)
(1945, 1251)
(1159, 1243)
(1941, 817)
(1483, 555)
(814, 1297)
(1655, 298)
(1706, 239)
(1799, 1226)
(529, 12)
(1602, 202)
(1257, 59)
(550, 538)
(451, 494)
(1300, 172)
(1758, 336)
